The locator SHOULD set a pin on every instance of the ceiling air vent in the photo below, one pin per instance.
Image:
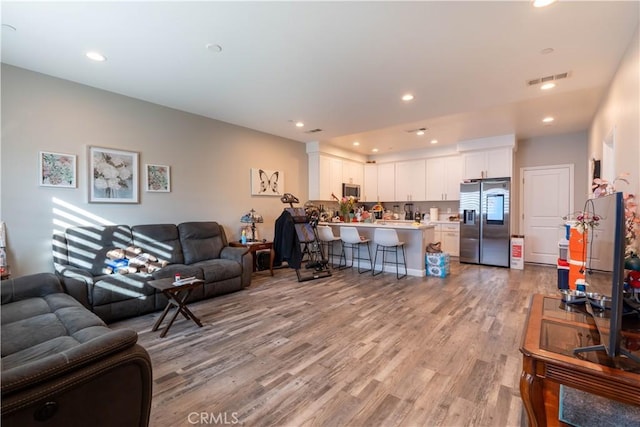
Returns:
(416, 130)
(545, 79)
(314, 131)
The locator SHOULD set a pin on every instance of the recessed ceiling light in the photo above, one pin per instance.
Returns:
(375, 150)
(95, 56)
(542, 3)
(434, 141)
(214, 47)
(407, 97)
(548, 119)
(546, 51)
(547, 86)
(420, 132)
(356, 143)
(299, 124)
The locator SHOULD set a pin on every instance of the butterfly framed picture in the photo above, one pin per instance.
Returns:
(267, 182)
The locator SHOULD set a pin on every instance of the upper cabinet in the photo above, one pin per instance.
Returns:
(444, 175)
(386, 182)
(493, 163)
(370, 187)
(352, 172)
(326, 175)
(410, 180)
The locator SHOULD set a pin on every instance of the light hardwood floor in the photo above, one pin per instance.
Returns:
(349, 350)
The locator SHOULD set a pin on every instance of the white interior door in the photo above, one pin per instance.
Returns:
(547, 197)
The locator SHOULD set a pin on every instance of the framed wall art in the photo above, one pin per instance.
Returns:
(158, 178)
(113, 176)
(57, 170)
(267, 182)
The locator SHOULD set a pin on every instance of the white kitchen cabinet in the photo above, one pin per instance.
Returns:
(443, 176)
(352, 172)
(493, 163)
(410, 180)
(449, 236)
(387, 182)
(325, 177)
(369, 190)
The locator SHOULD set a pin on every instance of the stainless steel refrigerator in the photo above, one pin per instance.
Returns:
(484, 226)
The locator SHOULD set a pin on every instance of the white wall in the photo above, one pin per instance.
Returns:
(570, 148)
(210, 163)
(620, 111)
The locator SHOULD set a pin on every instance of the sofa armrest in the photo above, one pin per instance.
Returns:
(40, 370)
(115, 390)
(30, 286)
(233, 253)
(242, 256)
(76, 282)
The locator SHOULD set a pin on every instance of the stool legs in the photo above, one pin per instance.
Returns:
(353, 246)
(393, 249)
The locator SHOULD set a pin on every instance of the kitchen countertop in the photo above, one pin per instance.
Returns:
(397, 224)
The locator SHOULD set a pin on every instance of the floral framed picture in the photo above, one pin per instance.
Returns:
(158, 178)
(113, 176)
(57, 170)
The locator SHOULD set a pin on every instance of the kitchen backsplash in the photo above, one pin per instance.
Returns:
(445, 208)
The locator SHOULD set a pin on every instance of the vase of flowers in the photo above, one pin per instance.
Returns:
(346, 205)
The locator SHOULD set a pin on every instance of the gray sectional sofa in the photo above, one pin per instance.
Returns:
(62, 366)
(197, 249)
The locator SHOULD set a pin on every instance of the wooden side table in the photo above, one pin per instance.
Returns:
(552, 331)
(254, 247)
(177, 296)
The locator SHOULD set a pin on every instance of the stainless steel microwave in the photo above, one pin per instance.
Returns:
(350, 190)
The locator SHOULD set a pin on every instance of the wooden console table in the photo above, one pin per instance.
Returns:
(254, 247)
(553, 329)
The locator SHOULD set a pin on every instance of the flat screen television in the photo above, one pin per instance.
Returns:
(604, 273)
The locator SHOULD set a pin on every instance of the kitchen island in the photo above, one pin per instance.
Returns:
(415, 236)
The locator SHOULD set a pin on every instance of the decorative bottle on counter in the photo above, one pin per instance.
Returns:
(243, 239)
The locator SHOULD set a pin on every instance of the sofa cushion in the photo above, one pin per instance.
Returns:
(87, 247)
(159, 240)
(216, 270)
(201, 240)
(118, 287)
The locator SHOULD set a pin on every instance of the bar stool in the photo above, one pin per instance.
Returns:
(327, 239)
(387, 240)
(351, 239)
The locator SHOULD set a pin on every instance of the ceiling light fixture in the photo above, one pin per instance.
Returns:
(95, 56)
(547, 86)
(375, 150)
(356, 143)
(214, 47)
(420, 132)
(546, 51)
(548, 119)
(299, 124)
(407, 97)
(434, 141)
(542, 3)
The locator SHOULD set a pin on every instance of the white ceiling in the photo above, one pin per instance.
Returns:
(338, 66)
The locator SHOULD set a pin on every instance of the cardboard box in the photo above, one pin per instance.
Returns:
(438, 271)
(437, 264)
(517, 252)
(437, 259)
